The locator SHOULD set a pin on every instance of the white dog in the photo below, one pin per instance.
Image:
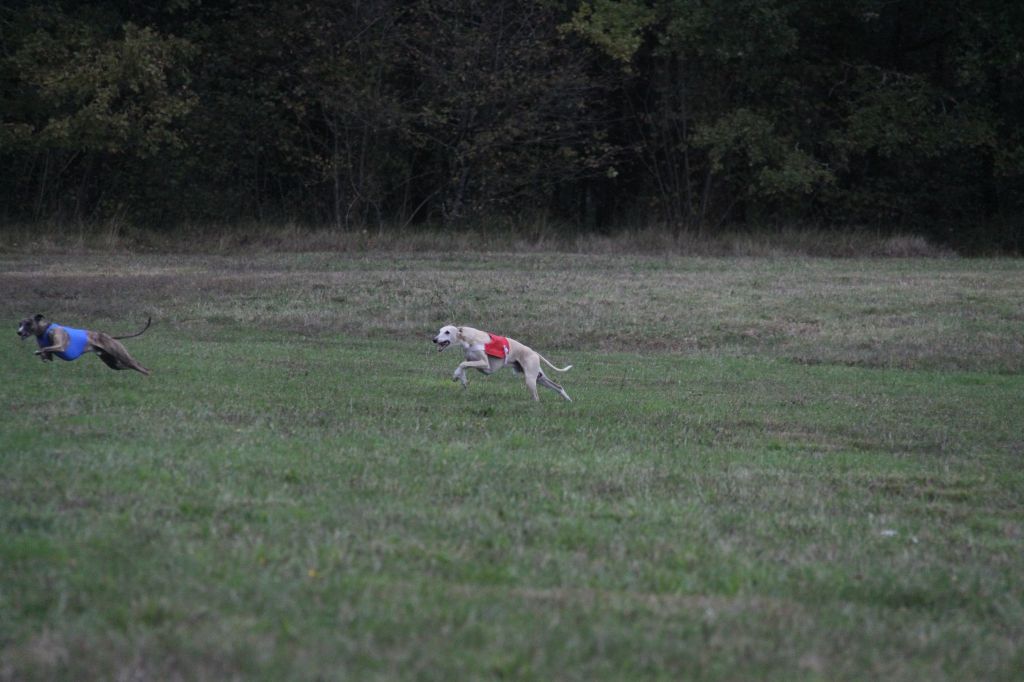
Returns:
(489, 353)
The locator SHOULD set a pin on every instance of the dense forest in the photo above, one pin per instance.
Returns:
(696, 114)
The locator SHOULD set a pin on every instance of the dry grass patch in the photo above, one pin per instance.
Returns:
(501, 236)
(909, 313)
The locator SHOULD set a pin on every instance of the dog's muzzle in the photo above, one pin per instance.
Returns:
(441, 345)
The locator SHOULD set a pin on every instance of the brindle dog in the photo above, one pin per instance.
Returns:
(68, 344)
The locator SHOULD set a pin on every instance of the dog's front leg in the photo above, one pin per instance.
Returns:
(471, 362)
(46, 354)
(59, 342)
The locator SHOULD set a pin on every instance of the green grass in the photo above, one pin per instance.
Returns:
(773, 469)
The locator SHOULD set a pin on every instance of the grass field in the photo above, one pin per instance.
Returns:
(778, 468)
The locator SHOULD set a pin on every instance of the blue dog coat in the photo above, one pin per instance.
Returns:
(78, 340)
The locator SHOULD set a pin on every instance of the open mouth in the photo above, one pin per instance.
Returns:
(441, 345)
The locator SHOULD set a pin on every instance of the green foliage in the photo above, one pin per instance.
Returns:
(500, 115)
(85, 90)
(743, 147)
(738, 32)
(694, 113)
(895, 116)
(117, 95)
(616, 27)
(90, 92)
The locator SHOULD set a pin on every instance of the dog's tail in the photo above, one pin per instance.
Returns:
(138, 333)
(563, 369)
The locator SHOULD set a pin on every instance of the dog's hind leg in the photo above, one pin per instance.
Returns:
(531, 371)
(115, 356)
(108, 359)
(132, 363)
(531, 383)
(115, 362)
(548, 383)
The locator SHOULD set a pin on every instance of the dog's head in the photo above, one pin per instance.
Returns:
(446, 336)
(32, 326)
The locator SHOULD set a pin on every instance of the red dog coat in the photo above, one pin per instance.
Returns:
(498, 347)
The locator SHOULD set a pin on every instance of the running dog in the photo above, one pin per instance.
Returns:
(488, 353)
(68, 343)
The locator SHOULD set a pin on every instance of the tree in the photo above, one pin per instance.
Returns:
(502, 110)
(693, 113)
(87, 98)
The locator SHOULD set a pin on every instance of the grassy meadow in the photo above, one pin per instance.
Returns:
(775, 468)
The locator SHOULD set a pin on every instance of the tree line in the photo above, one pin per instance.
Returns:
(691, 113)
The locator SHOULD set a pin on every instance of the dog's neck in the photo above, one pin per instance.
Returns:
(42, 334)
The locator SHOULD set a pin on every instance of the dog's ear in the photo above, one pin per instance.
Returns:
(38, 317)
(460, 330)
